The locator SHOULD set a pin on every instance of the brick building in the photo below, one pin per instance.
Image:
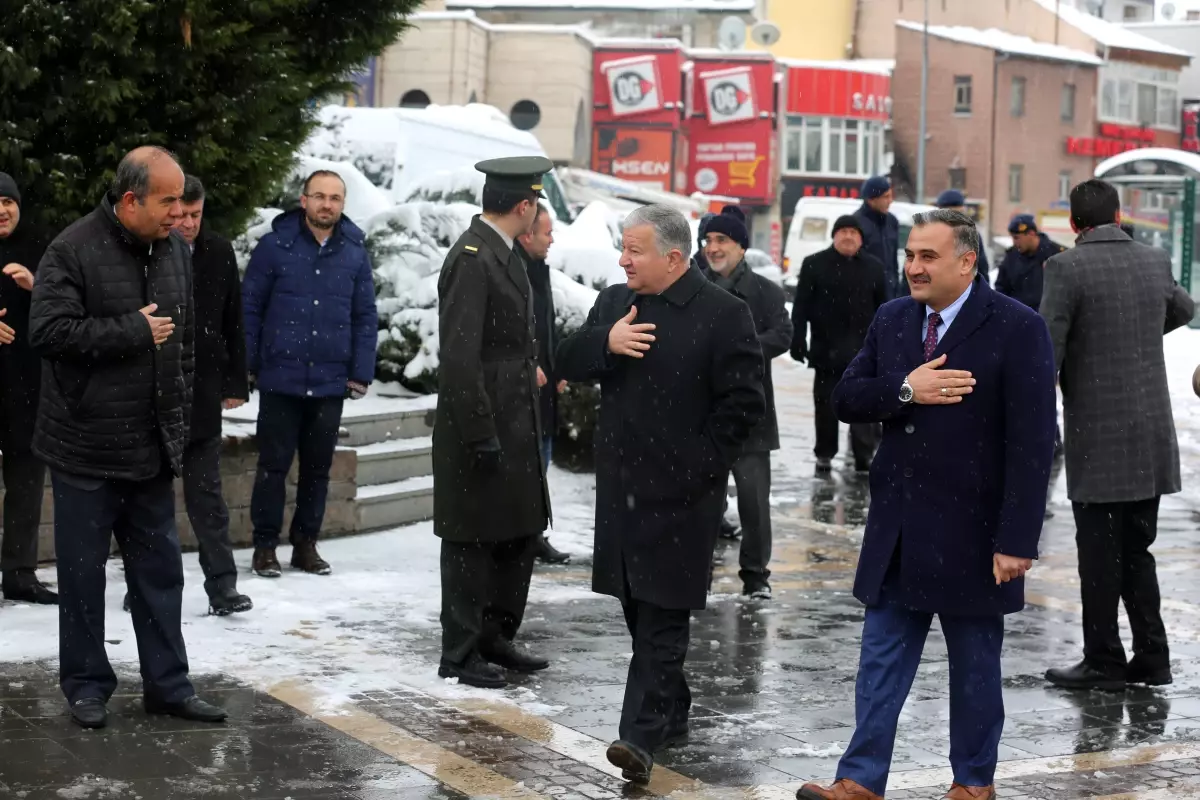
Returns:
(1000, 111)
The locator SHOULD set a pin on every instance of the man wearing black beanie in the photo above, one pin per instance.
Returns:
(726, 242)
(21, 248)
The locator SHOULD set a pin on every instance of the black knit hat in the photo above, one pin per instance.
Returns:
(731, 222)
(8, 187)
(847, 221)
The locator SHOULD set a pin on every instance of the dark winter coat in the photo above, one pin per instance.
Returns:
(768, 307)
(838, 297)
(671, 425)
(1020, 276)
(20, 367)
(544, 329)
(113, 402)
(1108, 302)
(487, 389)
(881, 239)
(310, 314)
(220, 340)
(952, 485)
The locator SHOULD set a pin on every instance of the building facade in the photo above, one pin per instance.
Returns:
(1001, 112)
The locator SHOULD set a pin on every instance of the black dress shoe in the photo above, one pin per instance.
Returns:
(228, 601)
(504, 653)
(474, 672)
(193, 708)
(635, 763)
(1084, 676)
(90, 712)
(548, 555)
(23, 586)
(824, 466)
(1136, 672)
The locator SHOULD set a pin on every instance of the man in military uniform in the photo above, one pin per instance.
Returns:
(1021, 271)
(490, 500)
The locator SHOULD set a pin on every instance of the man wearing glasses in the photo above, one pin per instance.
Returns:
(309, 303)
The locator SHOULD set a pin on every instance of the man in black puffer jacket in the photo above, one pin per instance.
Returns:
(112, 318)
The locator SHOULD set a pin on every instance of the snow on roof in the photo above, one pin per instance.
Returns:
(872, 66)
(744, 6)
(1005, 42)
(1181, 157)
(1106, 33)
(497, 27)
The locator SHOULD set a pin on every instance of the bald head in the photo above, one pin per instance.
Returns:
(146, 191)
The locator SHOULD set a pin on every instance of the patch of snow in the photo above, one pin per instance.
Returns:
(395, 446)
(585, 251)
(370, 406)
(91, 787)
(872, 66)
(731, 6)
(1107, 33)
(1004, 42)
(831, 750)
(421, 483)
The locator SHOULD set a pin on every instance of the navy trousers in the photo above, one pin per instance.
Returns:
(892, 642)
(88, 513)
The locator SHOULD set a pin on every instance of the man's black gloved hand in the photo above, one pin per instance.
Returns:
(486, 456)
(800, 354)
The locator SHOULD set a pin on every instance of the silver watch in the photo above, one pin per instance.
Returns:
(906, 392)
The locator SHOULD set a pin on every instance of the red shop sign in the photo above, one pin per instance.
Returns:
(824, 92)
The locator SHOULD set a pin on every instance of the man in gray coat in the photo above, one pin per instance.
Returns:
(1108, 303)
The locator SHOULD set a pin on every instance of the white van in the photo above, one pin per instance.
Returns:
(811, 230)
(401, 148)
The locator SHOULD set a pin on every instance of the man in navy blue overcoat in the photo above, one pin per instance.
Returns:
(962, 379)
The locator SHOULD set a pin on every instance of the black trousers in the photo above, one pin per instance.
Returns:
(657, 697)
(24, 486)
(485, 586)
(752, 476)
(141, 515)
(286, 425)
(208, 513)
(1115, 564)
(864, 436)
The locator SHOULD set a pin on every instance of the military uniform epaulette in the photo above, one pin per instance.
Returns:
(471, 249)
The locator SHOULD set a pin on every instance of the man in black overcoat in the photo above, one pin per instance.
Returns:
(838, 293)
(490, 501)
(726, 242)
(680, 371)
(21, 248)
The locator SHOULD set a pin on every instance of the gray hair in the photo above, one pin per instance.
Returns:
(966, 235)
(133, 173)
(671, 228)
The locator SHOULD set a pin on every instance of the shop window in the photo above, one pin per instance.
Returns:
(1064, 185)
(525, 115)
(414, 98)
(1016, 104)
(962, 94)
(1066, 111)
(826, 146)
(1016, 181)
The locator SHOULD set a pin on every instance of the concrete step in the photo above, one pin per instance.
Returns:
(389, 505)
(364, 429)
(397, 460)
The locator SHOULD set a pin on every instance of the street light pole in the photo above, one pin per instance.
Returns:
(924, 107)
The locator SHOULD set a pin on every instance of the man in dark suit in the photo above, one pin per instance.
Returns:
(220, 384)
(1108, 302)
(726, 243)
(838, 293)
(21, 248)
(962, 379)
(680, 371)
(881, 231)
(533, 247)
(490, 500)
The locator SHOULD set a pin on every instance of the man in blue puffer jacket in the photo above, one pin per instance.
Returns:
(311, 329)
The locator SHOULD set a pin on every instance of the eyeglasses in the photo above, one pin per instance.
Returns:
(321, 198)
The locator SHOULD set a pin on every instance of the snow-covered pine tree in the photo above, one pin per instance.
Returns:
(228, 85)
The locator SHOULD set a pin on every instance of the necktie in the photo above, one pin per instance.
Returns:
(931, 340)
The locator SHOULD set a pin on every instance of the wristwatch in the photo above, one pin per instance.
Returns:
(906, 392)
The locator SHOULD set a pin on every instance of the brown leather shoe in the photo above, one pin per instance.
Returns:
(842, 789)
(265, 564)
(306, 558)
(960, 792)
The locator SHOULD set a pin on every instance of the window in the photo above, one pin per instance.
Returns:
(1168, 108)
(813, 229)
(962, 94)
(1133, 94)
(1131, 13)
(525, 115)
(1017, 102)
(851, 160)
(1108, 100)
(830, 146)
(813, 140)
(1125, 100)
(1066, 111)
(1064, 185)
(1147, 104)
(1016, 179)
(958, 178)
(414, 98)
(1193, 16)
